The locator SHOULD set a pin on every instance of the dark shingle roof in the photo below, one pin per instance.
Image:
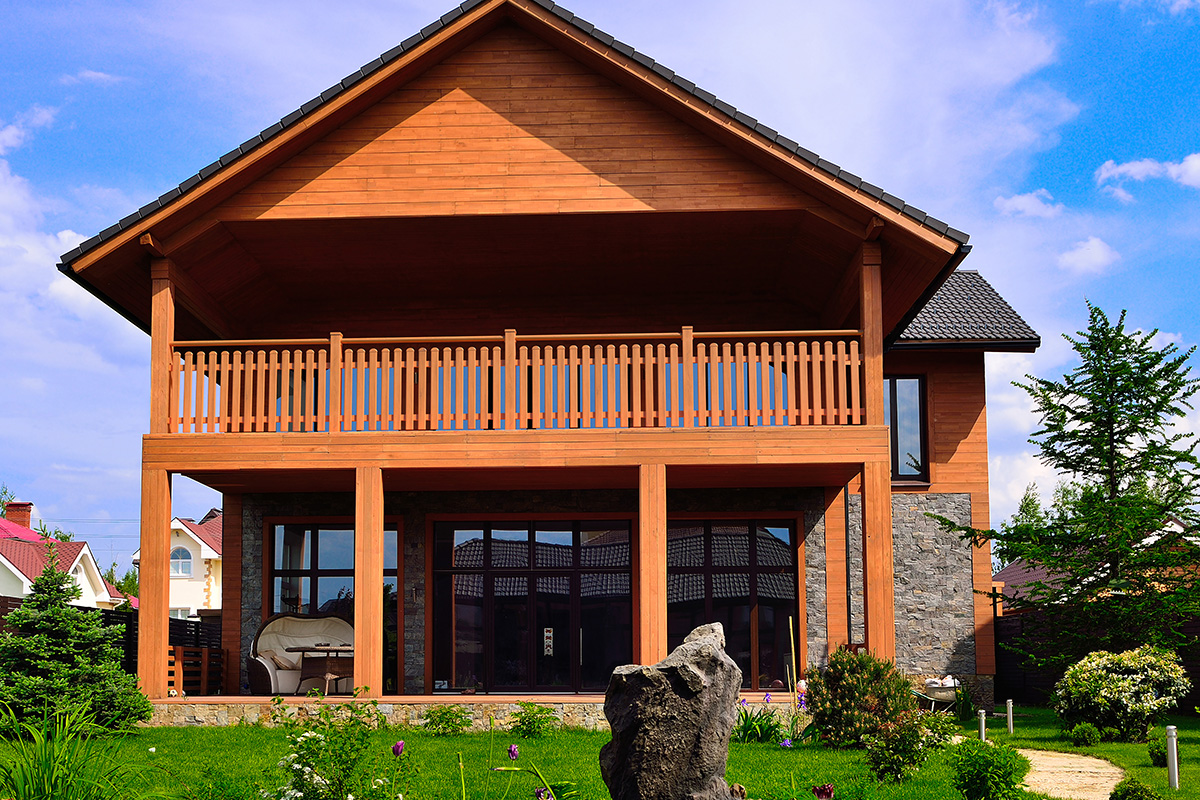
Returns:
(581, 25)
(966, 309)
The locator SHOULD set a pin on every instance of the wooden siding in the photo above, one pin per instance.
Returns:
(231, 589)
(509, 125)
(958, 458)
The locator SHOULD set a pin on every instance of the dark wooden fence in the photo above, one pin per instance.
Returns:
(195, 647)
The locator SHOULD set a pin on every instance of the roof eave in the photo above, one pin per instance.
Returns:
(989, 345)
(962, 252)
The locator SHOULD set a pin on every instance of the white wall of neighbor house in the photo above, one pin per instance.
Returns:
(193, 584)
(11, 584)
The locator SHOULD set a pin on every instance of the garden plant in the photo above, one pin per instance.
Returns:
(1123, 691)
(855, 695)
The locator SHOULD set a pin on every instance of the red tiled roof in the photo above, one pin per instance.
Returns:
(208, 531)
(31, 557)
(11, 530)
(117, 594)
(1018, 575)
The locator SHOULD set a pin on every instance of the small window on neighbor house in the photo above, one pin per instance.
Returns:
(181, 563)
(904, 413)
(179, 613)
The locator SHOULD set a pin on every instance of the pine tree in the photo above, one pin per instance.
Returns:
(1119, 540)
(55, 656)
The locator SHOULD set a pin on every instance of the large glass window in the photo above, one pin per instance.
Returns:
(532, 605)
(904, 413)
(743, 575)
(312, 572)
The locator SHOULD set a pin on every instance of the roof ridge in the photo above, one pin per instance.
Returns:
(588, 29)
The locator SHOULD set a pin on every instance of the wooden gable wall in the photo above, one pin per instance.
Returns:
(509, 125)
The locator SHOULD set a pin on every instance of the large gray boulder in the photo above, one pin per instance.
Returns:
(671, 723)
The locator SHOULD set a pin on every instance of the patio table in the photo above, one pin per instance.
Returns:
(327, 661)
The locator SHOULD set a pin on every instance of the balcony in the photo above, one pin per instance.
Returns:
(512, 382)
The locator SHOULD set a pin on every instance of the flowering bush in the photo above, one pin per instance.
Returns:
(328, 755)
(1126, 691)
(901, 746)
(757, 724)
(855, 695)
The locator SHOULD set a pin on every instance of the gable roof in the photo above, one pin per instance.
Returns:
(31, 558)
(928, 248)
(582, 27)
(11, 530)
(207, 531)
(967, 312)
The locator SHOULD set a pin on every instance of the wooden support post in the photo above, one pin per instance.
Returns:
(154, 609)
(510, 379)
(687, 360)
(650, 588)
(879, 598)
(231, 591)
(837, 612)
(871, 323)
(335, 382)
(368, 581)
(162, 355)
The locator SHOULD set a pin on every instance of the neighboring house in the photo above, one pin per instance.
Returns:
(24, 554)
(195, 567)
(529, 355)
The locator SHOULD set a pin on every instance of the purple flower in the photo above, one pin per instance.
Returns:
(542, 794)
(513, 752)
(398, 748)
(824, 792)
(767, 697)
(742, 702)
(786, 743)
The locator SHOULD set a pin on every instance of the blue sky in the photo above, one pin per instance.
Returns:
(1064, 136)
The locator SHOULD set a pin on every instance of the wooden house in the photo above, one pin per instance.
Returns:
(527, 354)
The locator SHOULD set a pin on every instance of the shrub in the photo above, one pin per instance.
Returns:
(856, 695)
(530, 720)
(1085, 734)
(1126, 691)
(57, 657)
(447, 720)
(1158, 752)
(1133, 789)
(987, 772)
(329, 757)
(1110, 734)
(60, 756)
(757, 725)
(897, 752)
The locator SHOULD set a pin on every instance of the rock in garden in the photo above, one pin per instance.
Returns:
(671, 723)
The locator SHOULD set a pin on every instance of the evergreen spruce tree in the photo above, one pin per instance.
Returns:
(55, 656)
(1119, 540)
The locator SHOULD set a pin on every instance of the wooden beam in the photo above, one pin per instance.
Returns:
(837, 612)
(874, 228)
(162, 333)
(154, 604)
(231, 590)
(845, 297)
(650, 580)
(368, 581)
(879, 598)
(188, 292)
(870, 306)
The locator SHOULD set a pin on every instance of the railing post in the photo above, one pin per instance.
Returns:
(335, 382)
(510, 382)
(686, 360)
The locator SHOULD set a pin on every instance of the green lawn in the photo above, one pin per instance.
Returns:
(250, 755)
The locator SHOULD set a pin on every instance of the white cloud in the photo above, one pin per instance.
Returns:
(17, 132)
(1038, 203)
(1010, 474)
(1089, 256)
(90, 76)
(1110, 174)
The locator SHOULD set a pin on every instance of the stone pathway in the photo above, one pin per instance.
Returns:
(1070, 775)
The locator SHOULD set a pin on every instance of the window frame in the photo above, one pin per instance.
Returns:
(889, 399)
(188, 561)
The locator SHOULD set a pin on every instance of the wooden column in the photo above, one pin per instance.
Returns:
(368, 581)
(870, 305)
(162, 332)
(837, 613)
(879, 593)
(231, 591)
(650, 579)
(154, 608)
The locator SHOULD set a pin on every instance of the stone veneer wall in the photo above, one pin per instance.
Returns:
(816, 629)
(414, 506)
(934, 586)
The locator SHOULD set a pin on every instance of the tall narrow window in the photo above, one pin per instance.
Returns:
(181, 562)
(904, 413)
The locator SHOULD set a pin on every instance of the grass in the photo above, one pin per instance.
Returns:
(1037, 729)
(249, 754)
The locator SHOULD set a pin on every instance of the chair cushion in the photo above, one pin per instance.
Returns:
(280, 661)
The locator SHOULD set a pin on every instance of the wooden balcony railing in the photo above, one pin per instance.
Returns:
(511, 382)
